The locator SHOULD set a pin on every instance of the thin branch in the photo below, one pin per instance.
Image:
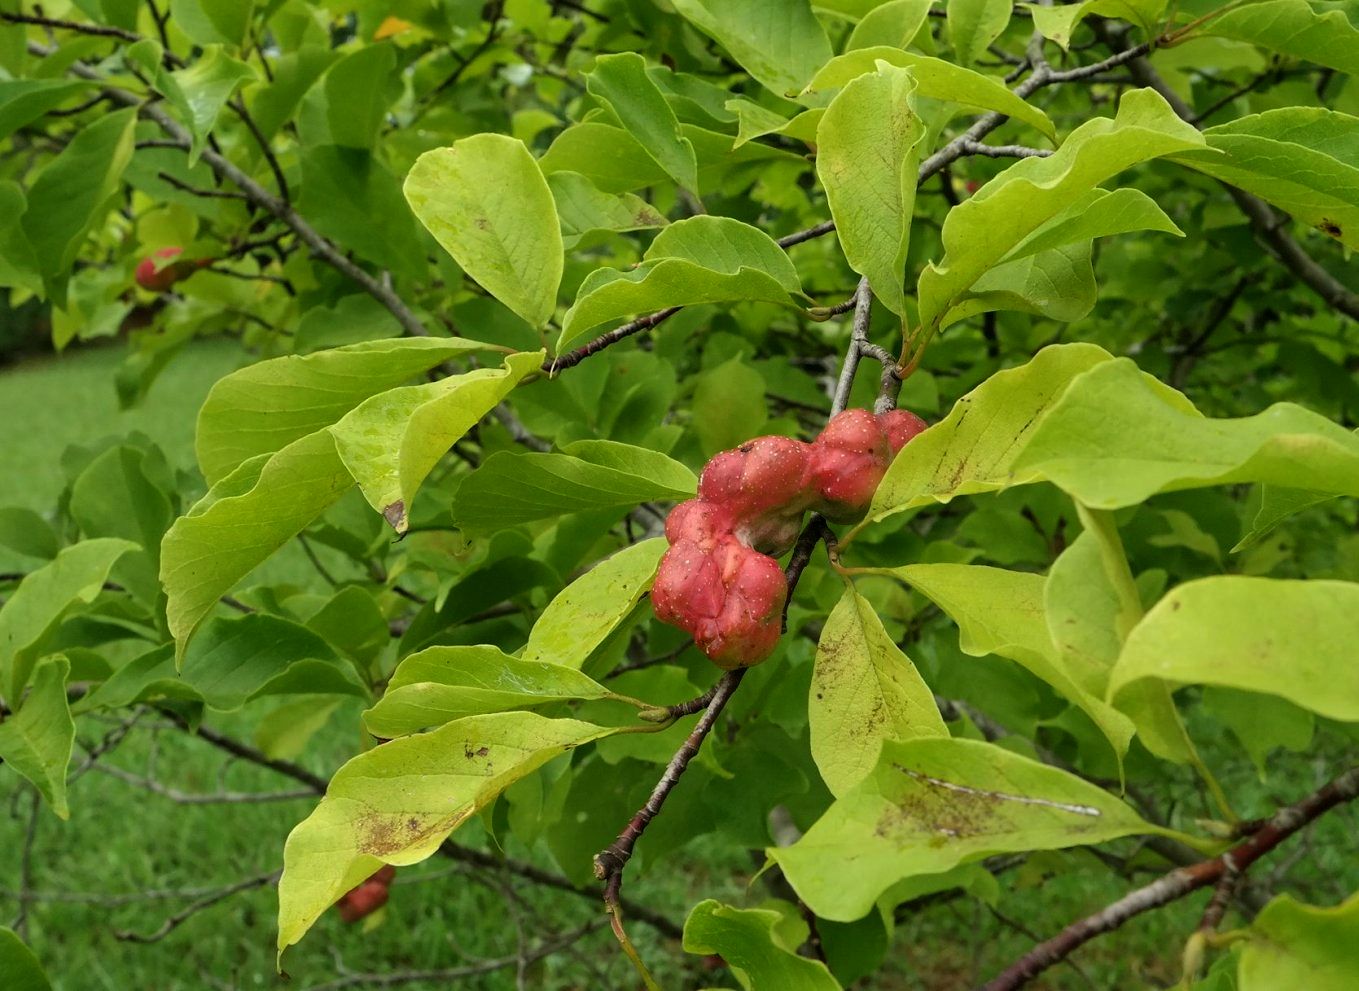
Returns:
(1180, 882)
(189, 911)
(97, 30)
(1003, 151)
(215, 194)
(576, 356)
(226, 170)
(202, 798)
(518, 431)
(20, 924)
(863, 306)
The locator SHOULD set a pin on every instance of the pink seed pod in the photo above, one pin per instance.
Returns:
(703, 522)
(900, 426)
(762, 474)
(748, 628)
(848, 461)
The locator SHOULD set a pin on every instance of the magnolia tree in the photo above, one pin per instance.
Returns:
(902, 440)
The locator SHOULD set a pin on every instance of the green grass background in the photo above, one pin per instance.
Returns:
(107, 868)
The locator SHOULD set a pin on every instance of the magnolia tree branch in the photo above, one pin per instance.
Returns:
(226, 170)
(1180, 882)
(189, 911)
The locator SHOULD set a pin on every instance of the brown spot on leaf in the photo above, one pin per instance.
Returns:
(1329, 227)
(395, 514)
(482, 223)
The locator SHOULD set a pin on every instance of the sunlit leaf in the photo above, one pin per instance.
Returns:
(396, 803)
(1289, 638)
(43, 598)
(389, 443)
(440, 684)
(931, 804)
(486, 201)
(1117, 436)
(264, 407)
(621, 81)
(588, 610)
(748, 940)
(37, 740)
(864, 691)
(872, 197)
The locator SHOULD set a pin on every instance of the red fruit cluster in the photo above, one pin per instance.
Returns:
(367, 897)
(717, 581)
(158, 272)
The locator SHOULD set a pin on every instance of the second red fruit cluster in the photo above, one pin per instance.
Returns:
(718, 582)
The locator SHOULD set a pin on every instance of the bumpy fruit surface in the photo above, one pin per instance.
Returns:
(848, 461)
(717, 581)
(901, 425)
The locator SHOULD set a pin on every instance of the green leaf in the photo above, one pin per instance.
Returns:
(779, 42)
(1118, 436)
(872, 196)
(612, 159)
(587, 611)
(1293, 945)
(932, 804)
(73, 191)
(1001, 612)
(621, 82)
(440, 684)
(1057, 23)
(703, 259)
(1058, 284)
(392, 441)
(209, 22)
(891, 25)
(512, 488)
(42, 600)
(396, 803)
(1098, 213)
(1277, 503)
(20, 967)
(1260, 723)
(973, 448)
(983, 230)
(749, 941)
(18, 264)
(583, 207)
(1092, 603)
(245, 517)
(352, 198)
(1291, 28)
(864, 691)
(1289, 638)
(231, 662)
(200, 91)
(23, 101)
(266, 406)
(356, 91)
(936, 79)
(1301, 159)
(486, 201)
(974, 24)
(37, 740)
(28, 533)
